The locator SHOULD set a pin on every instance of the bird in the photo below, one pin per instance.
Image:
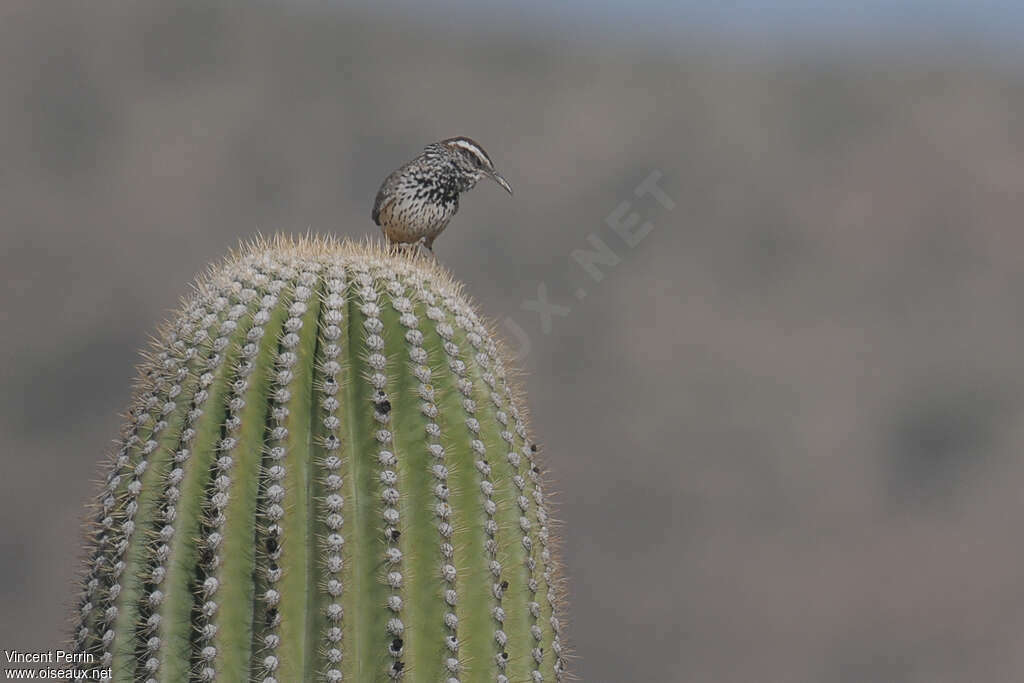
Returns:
(417, 200)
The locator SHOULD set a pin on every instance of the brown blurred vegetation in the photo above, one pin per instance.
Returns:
(786, 428)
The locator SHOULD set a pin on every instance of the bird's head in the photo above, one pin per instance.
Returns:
(472, 160)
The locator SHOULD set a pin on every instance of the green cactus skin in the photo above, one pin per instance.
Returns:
(325, 476)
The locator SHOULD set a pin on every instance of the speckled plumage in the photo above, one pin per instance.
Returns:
(416, 201)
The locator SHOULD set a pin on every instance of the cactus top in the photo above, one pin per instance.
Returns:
(326, 474)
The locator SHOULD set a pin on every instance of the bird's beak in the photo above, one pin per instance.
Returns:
(497, 177)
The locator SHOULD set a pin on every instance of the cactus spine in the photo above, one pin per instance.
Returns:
(325, 476)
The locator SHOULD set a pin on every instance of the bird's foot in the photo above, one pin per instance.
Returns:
(429, 246)
(413, 249)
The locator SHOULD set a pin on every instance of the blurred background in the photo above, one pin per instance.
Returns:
(786, 417)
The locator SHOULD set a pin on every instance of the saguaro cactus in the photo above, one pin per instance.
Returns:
(326, 475)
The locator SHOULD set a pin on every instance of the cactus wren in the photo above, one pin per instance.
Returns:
(416, 201)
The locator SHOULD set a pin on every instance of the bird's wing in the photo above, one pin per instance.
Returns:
(385, 195)
(382, 199)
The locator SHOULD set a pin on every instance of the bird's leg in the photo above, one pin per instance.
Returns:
(428, 243)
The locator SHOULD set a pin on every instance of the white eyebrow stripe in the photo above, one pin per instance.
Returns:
(467, 145)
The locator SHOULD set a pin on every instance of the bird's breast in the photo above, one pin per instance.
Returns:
(415, 215)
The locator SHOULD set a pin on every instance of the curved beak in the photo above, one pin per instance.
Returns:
(497, 177)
